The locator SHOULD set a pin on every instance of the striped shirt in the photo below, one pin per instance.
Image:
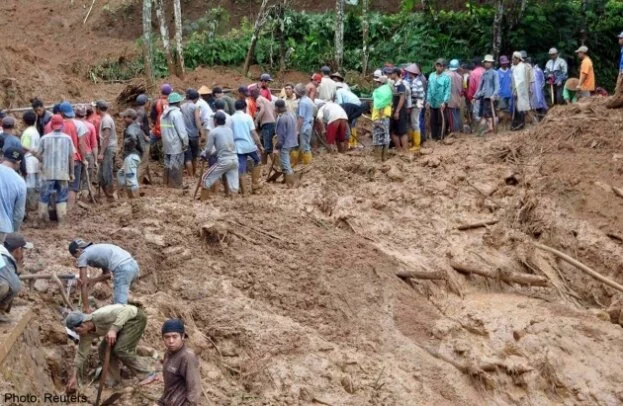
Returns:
(57, 151)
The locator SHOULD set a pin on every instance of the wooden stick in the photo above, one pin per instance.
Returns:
(464, 227)
(421, 275)
(506, 276)
(580, 266)
(103, 375)
(88, 13)
(46, 276)
(61, 289)
(617, 191)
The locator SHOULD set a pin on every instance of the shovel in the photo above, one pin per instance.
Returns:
(103, 377)
(89, 186)
(203, 169)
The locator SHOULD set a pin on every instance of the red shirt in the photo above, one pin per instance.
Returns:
(474, 82)
(91, 137)
(96, 120)
(264, 91)
(156, 112)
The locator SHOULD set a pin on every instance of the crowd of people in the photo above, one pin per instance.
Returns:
(228, 139)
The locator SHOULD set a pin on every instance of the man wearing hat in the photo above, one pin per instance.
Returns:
(265, 80)
(587, 73)
(122, 327)
(522, 80)
(339, 81)
(56, 152)
(157, 109)
(7, 138)
(311, 89)
(487, 93)
(133, 150)
(438, 98)
(327, 86)
(11, 258)
(456, 97)
(506, 84)
(12, 193)
(617, 99)
(556, 74)
(108, 149)
(174, 142)
(204, 110)
(180, 368)
(287, 139)
(416, 81)
(115, 262)
(228, 100)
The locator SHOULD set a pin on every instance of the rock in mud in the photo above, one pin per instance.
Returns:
(41, 285)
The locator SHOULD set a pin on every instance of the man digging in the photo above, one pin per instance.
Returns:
(11, 258)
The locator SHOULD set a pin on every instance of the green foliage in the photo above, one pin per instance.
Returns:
(121, 69)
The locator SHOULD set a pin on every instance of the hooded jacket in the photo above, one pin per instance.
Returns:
(173, 130)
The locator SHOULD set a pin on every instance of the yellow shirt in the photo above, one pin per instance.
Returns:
(587, 74)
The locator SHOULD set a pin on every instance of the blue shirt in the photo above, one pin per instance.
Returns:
(103, 256)
(242, 126)
(11, 141)
(344, 96)
(12, 200)
(506, 83)
(306, 112)
(621, 61)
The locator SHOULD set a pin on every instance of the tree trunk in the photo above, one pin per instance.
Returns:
(164, 32)
(365, 28)
(259, 22)
(339, 34)
(282, 39)
(147, 49)
(497, 28)
(584, 23)
(177, 12)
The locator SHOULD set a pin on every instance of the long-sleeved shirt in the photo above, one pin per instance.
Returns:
(182, 379)
(12, 200)
(506, 82)
(111, 317)
(418, 90)
(173, 131)
(474, 82)
(8, 272)
(42, 120)
(343, 96)
(57, 156)
(456, 90)
(438, 89)
(489, 85)
(558, 68)
(221, 138)
(286, 131)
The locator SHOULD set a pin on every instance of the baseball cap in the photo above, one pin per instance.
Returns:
(454, 65)
(128, 113)
(243, 90)
(316, 77)
(265, 77)
(142, 99)
(583, 49)
(173, 326)
(81, 110)
(77, 244)
(101, 104)
(13, 154)
(8, 122)
(381, 79)
(75, 319)
(14, 241)
(166, 89)
(325, 69)
(56, 122)
(441, 62)
(337, 75)
(377, 73)
(65, 109)
(552, 51)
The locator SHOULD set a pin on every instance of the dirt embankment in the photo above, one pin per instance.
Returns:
(291, 296)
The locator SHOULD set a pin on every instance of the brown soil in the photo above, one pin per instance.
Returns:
(291, 297)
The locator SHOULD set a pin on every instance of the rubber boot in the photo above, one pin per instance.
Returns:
(264, 159)
(415, 136)
(352, 142)
(205, 194)
(294, 157)
(43, 213)
(290, 180)
(245, 184)
(61, 212)
(255, 178)
(307, 157)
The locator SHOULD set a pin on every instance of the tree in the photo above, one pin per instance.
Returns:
(339, 34)
(497, 28)
(177, 12)
(164, 32)
(147, 49)
(365, 29)
(257, 27)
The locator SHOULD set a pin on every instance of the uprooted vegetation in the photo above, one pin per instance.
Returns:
(393, 283)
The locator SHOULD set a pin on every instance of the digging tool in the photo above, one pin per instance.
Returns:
(494, 116)
(203, 170)
(67, 277)
(551, 91)
(103, 376)
(89, 186)
(443, 123)
(84, 290)
(62, 291)
(272, 167)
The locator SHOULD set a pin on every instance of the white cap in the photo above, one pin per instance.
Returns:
(378, 73)
(583, 49)
(553, 51)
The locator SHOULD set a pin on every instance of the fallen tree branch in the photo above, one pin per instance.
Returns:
(580, 266)
(421, 275)
(61, 289)
(506, 276)
(478, 225)
(617, 191)
(46, 276)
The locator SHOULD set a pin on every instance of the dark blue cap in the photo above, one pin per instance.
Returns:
(173, 326)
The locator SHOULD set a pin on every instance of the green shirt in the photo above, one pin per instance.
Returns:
(382, 96)
(569, 95)
(111, 317)
(438, 89)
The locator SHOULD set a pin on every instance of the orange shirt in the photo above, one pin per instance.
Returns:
(251, 107)
(587, 75)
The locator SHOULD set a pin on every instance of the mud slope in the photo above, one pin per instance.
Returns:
(291, 296)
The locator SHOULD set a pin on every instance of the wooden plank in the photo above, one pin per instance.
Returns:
(22, 315)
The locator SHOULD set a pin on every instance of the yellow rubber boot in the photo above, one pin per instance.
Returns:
(415, 136)
(307, 157)
(294, 157)
(352, 142)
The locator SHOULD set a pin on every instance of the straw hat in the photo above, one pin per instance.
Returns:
(572, 83)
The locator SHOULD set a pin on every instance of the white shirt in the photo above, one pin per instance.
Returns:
(331, 112)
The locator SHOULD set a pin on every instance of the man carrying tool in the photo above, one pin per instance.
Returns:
(115, 262)
(174, 142)
(56, 152)
(11, 258)
(132, 153)
(222, 140)
(92, 150)
(556, 75)
(488, 92)
(247, 146)
(108, 150)
(122, 327)
(180, 368)
(286, 140)
(437, 99)
(305, 123)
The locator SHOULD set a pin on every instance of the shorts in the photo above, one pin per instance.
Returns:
(193, 150)
(336, 131)
(51, 186)
(75, 185)
(400, 126)
(485, 108)
(128, 175)
(243, 158)
(267, 131)
(380, 133)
